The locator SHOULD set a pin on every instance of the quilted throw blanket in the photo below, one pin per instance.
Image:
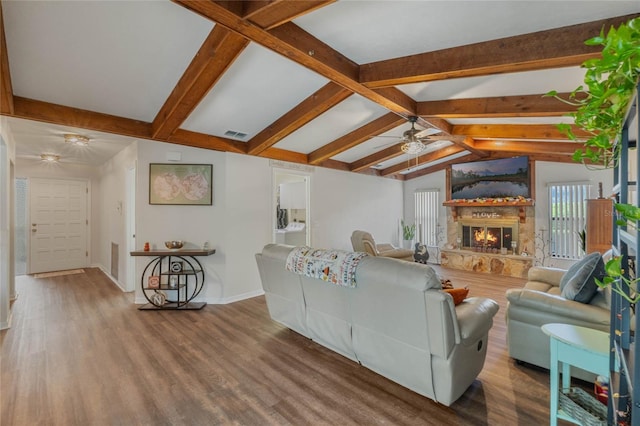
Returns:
(333, 266)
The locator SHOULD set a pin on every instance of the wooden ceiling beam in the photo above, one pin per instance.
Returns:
(440, 166)
(529, 147)
(423, 159)
(201, 140)
(472, 157)
(321, 101)
(465, 142)
(499, 106)
(67, 116)
(553, 158)
(219, 50)
(514, 131)
(284, 155)
(270, 14)
(358, 136)
(301, 47)
(6, 90)
(376, 158)
(554, 48)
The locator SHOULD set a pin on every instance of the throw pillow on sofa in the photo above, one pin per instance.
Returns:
(458, 294)
(579, 282)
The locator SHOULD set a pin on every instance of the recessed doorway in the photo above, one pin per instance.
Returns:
(291, 208)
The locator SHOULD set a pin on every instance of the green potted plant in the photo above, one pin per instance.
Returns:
(408, 235)
(602, 106)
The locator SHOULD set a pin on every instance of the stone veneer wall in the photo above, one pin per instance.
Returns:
(510, 265)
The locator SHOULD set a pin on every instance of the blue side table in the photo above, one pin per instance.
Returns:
(578, 346)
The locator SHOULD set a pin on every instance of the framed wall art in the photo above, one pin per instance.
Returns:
(181, 184)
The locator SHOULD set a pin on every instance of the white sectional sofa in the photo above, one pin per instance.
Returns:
(396, 321)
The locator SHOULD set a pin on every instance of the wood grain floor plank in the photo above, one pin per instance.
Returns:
(80, 353)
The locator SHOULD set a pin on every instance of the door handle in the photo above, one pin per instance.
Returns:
(34, 230)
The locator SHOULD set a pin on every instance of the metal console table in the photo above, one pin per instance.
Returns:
(179, 276)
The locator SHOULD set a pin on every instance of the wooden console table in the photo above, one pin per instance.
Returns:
(180, 277)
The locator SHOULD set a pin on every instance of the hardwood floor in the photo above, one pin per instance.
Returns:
(80, 353)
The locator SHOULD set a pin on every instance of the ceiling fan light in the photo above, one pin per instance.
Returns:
(76, 139)
(413, 148)
(50, 158)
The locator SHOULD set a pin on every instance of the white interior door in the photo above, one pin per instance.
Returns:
(58, 211)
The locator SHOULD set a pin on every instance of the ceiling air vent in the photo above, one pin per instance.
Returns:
(235, 135)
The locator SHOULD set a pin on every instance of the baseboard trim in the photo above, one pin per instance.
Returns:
(141, 300)
(113, 280)
(237, 298)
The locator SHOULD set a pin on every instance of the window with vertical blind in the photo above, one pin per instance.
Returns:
(568, 218)
(427, 207)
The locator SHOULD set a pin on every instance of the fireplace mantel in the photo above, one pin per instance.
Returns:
(454, 204)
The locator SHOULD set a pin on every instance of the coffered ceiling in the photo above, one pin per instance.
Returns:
(327, 83)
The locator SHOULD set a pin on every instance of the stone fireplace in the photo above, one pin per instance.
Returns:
(482, 238)
(487, 235)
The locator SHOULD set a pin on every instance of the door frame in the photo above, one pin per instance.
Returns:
(275, 181)
(131, 180)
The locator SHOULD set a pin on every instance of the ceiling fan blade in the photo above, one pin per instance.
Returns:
(384, 145)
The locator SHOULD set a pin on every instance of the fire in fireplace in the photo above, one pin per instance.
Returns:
(478, 235)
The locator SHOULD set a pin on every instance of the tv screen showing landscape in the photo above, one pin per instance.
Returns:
(503, 178)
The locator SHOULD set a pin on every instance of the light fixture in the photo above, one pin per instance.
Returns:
(76, 139)
(50, 158)
(412, 145)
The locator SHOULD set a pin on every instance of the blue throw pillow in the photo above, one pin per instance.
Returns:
(579, 282)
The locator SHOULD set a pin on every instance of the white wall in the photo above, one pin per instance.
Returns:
(549, 173)
(435, 180)
(192, 224)
(342, 202)
(239, 223)
(248, 223)
(110, 213)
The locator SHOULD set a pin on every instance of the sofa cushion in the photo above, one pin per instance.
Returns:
(579, 282)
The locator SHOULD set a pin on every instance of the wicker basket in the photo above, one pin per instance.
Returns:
(583, 407)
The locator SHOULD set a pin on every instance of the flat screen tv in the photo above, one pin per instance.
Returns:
(502, 178)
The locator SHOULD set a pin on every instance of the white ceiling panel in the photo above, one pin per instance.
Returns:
(368, 31)
(119, 58)
(259, 88)
(347, 116)
(373, 145)
(33, 138)
(510, 84)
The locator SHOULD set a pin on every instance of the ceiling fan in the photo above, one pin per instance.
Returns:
(413, 141)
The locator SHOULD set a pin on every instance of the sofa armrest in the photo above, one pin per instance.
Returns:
(546, 275)
(558, 306)
(404, 254)
(385, 247)
(475, 317)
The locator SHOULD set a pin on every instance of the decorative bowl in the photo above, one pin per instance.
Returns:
(174, 245)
